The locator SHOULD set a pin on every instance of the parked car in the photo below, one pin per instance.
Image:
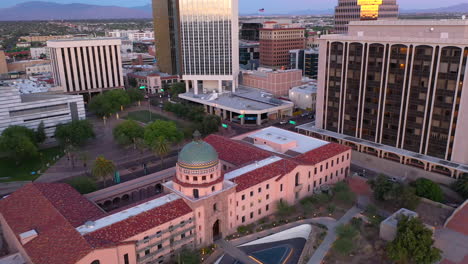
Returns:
(283, 122)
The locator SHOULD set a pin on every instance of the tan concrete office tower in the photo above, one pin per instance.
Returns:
(3, 64)
(85, 66)
(167, 36)
(398, 87)
(355, 10)
(210, 44)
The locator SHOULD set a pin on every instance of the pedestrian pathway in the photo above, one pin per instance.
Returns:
(234, 252)
(325, 246)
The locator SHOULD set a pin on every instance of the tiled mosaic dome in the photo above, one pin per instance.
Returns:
(198, 155)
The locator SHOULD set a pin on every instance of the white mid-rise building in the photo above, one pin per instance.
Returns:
(39, 53)
(209, 32)
(87, 65)
(304, 96)
(133, 35)
(30, 110)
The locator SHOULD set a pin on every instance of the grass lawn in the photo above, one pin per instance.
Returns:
(22, 171)
(144, 116)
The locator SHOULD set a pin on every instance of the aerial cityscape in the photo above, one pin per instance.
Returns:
(233, 132)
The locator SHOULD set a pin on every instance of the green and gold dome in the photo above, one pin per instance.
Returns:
(197, 155)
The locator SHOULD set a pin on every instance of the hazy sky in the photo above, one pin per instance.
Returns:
(251, 6)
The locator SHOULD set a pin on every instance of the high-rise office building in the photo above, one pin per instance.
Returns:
(3, 63)
(275, 44)
(210, 44)
(167, 35)
(355, 10)
(306, 60)
(82, 66)
(399, 90)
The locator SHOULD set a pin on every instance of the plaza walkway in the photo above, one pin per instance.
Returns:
(319, 253)
(323, 249)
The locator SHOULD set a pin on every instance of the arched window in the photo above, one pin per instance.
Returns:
(96, 262)
(195, 193)
(213, 189)
(297, 179)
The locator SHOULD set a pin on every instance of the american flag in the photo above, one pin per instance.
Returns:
(261, 10)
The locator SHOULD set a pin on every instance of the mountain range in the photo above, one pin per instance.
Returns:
(41, 10)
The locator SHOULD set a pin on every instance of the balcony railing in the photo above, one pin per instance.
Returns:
(143, 241)
(161, 241)
(154, 253)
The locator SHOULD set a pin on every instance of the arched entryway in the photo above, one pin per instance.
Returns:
(216, 231)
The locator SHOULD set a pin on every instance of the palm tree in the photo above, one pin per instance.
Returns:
(161, 148)
(103, 169)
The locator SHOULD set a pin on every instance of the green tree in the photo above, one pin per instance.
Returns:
(103, 169)
(132, 82)
(461, 186)
(74, 133)
(40, 133)
(161, 147)
(382, 187)
(135, 95)
(407, 197)
(343, 193)
(109, 102)
(127, 133)
(83, 184)
(166, 129)
(210, 124)
(346, 236)
(18, 147)
(413, 243)
(428, 189)
(284, 209)
(19, 143)
(176, 89)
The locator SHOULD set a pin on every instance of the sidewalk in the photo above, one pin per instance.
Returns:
(323, 249)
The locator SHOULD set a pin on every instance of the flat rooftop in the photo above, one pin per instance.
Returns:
(244, 99)
(92, 226)
(310, 127)
(281, 136)
(248, 168)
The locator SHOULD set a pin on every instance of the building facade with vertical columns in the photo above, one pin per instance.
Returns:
(83, 66)
(210, 40)
(401, 84)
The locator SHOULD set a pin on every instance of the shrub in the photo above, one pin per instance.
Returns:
(461, 186)
(428, 189)
(83, 184)
(344, 246)
(346, 231)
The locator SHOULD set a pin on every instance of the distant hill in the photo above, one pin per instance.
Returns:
(459, 8)
(147, 8)
(39, 10)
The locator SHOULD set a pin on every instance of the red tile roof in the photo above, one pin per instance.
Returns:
(322, 153)
(38, 206)
(276, 169)
(71, 204)
(459, 220)
(234, 152)
(120, 231)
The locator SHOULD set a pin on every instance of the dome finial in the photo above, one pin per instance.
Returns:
(196, 135)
